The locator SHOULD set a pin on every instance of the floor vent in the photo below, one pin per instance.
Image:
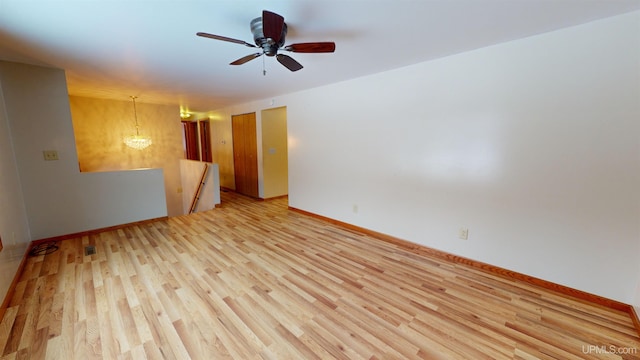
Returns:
(89, 250)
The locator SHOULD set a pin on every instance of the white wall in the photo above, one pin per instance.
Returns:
(532, 144)
(637, 300)
(58, 198)
(14, 229)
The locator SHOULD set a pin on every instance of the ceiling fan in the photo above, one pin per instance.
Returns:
(269, 32)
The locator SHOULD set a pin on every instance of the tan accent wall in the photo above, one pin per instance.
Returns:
(100, 126)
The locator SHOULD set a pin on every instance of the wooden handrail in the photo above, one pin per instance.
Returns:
(196, 196)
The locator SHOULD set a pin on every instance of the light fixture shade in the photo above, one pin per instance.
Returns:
(138, 142)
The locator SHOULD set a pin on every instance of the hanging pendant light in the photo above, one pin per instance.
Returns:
(137, 141)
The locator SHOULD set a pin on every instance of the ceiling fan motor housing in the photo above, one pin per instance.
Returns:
(267, 44)
(269, 32)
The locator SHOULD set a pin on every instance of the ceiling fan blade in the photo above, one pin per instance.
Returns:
(224, 38)
(245, 59)
(272, 25)
(288, 62)
(312, 47)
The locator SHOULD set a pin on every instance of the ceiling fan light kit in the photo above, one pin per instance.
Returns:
(269, 34)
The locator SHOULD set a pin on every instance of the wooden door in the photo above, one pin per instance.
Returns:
(205, 141)
(245, 154)
(190, 129)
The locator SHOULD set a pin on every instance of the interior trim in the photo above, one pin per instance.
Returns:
(635, 317)
(95, 231)
(416, 248)
(12, 287)
(32, 244)
(502, 272)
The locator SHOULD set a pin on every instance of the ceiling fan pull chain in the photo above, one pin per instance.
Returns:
(264, 69)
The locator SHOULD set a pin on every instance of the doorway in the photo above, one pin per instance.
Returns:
(275, 161)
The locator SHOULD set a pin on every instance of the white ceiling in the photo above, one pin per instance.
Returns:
(118, 48)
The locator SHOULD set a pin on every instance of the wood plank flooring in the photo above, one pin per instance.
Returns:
(254, 280)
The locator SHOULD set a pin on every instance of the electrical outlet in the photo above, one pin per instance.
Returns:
(50, 155)
(355, 208)
(463, 234)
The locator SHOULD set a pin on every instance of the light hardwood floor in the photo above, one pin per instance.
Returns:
(254, 280)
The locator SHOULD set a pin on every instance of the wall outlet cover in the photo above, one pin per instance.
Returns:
(50, 155)
(463, 234)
